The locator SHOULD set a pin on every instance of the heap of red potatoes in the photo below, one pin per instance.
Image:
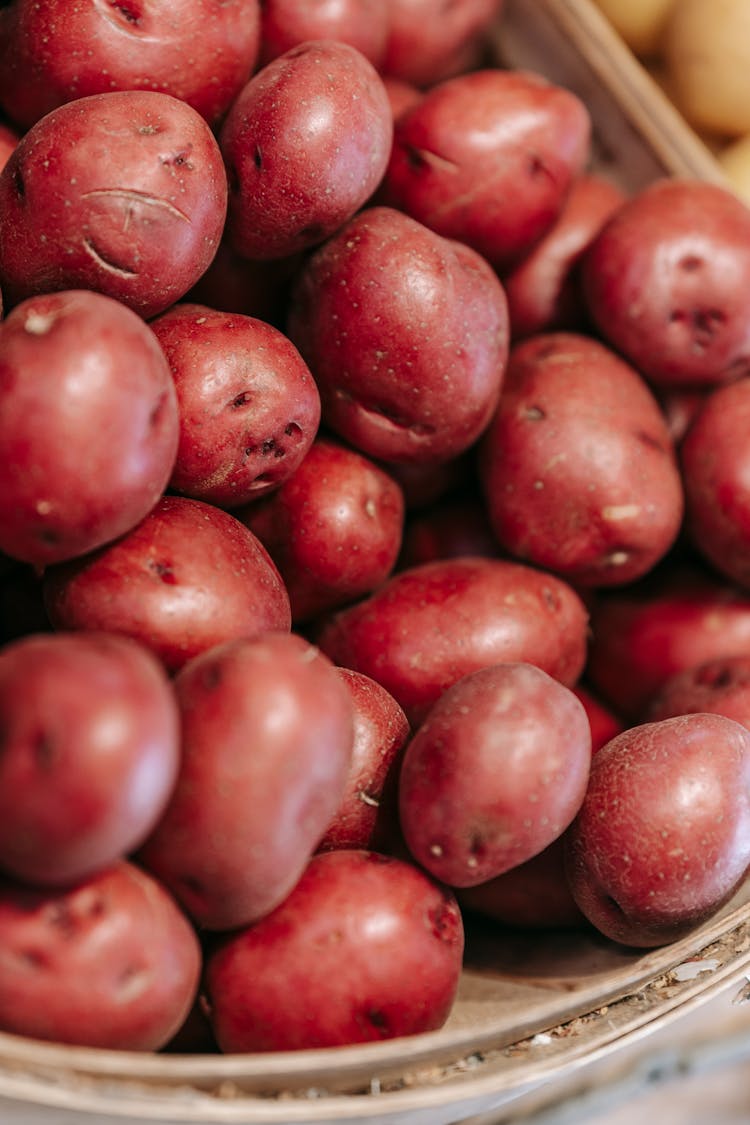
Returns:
(367, 464)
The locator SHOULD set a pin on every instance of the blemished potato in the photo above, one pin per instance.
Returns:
(364, 948)
(665, 282)
(577, 467)
(429, 625)
(124, 193)
(267, 734)
(495, 773)
(111, 962)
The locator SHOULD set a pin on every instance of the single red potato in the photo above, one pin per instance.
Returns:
(543, 289)
(305, 143)
(406, 334)
(88, 425)
(674, 619)
(360, 23)
(428, 40)
(196, 50)
(662, 839)
(111, 962)
(267, 728)
(428, 626)
(123, 193)
(494, 774)
(366, 947)
(189, 576)
(577, 467)
(488, 158)
(715, 464)
(89, 753)
(333, 528)
(664, 281)
(249, 408)
(367, 816)
(720, 687)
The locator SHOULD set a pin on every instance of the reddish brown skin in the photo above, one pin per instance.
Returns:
(333, 528)
(406, 334)
(680, 407)
(494, 774)
(402, 95)
(249, 407)
(673, 620)
(432, 624)
(719, 687)
(577, 467)
(448, 530)
(306, 143)
(664, 281)
(187, 577)
(431, 39)
(604, 723)
(662, 839)
(365, 948)
(121, 193)
(89, 425)
(488, 158)
(238, 285)
(9, 138)
(266, 750)
(362, 24)
(715, 464)
(543, 289)
(367, 816)
(111, 962)
(199, 51)
(89, 753)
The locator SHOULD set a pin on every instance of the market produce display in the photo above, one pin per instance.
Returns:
(374, 524)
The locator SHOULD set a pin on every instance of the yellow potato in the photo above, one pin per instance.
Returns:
(735, 161)
(639, 22)
(707, 54)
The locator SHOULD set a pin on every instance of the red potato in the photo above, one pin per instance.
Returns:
(89, 753)
(249, 408)
(577, 467)
(430, 483)
(664, 281)
(715, 466)
(679, 408)
(110, 963)
(719, 687)
(430, 625)
(360, 23)
(88, 425)
(494, 774)
(429, 39)
(662, 839)
(267, 728)
(365, 948)
(305, 143)
(447, 530)
(604, 723)
(367, 816)
(333, 528)
(543, 289)
(488, 158)
(402, 95)
(199, 51)
(122, 193)
(189, 576)
(406, 334)
(674, 619)
(238, 285)
(9, 138)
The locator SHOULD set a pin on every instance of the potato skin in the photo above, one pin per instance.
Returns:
(266, 749)
(431, 624)
(365, 947)
(664, 282)
(495, 773)
(111, 962)
(577, 467)
(124, 193)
